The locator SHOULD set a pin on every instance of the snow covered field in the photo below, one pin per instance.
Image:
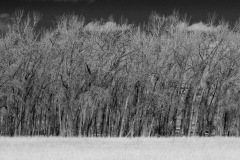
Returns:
(119, 148)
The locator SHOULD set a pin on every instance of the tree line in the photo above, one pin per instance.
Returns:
(108, 79)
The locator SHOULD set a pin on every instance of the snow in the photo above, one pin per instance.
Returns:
(119, 148)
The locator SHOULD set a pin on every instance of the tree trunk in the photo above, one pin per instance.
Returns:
(123, 117)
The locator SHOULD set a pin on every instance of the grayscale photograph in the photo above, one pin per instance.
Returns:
(119, 80)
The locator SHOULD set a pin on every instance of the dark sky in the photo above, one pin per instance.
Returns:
(135, 10)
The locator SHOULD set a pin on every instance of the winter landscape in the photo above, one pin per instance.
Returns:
(111, 89)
